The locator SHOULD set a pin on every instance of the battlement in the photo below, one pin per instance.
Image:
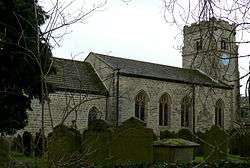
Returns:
(213, 23)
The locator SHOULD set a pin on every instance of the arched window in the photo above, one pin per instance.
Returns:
(164, 110)
(93, 114)
(219, 113)
(186, 112)
(141, 101)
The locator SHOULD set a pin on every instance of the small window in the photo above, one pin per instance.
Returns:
(164, 110)
(198, 44)
(140, 105)
(224, 45)
(219, 113)
(186, 112)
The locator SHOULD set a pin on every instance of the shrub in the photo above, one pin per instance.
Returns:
(167, 134)
(216, 147)
(186, 134)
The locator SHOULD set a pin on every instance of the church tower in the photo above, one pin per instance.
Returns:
(210, 47)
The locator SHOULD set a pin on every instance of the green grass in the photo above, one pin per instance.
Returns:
(236, 158)
(198, 159)
(21, 156)
(35, 161)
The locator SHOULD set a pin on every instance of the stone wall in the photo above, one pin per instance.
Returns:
(129, 87)
(205, 99)
(209, 58)
(108, 76)
(72, 106)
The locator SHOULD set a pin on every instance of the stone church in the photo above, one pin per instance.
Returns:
(203, 93)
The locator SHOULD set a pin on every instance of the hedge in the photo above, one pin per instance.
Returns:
(186, 134)
(167, 134)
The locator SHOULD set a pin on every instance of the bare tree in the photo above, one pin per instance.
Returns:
(207, 13)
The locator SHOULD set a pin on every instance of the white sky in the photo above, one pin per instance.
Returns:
(135, 30)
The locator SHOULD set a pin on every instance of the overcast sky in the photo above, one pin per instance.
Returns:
(135, 30)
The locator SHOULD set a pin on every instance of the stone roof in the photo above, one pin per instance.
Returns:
(76, 76)
(128, 67)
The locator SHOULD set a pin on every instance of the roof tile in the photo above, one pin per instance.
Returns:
(160, 72)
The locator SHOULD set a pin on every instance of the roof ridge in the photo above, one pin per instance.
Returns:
(203, 73)
(214, 80)
(98, 54)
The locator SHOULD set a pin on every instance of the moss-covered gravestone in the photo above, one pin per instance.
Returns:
(64, 147)
(235, 141)
(132, 143)
(96, 143)
(216, 146)
(244, 146)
